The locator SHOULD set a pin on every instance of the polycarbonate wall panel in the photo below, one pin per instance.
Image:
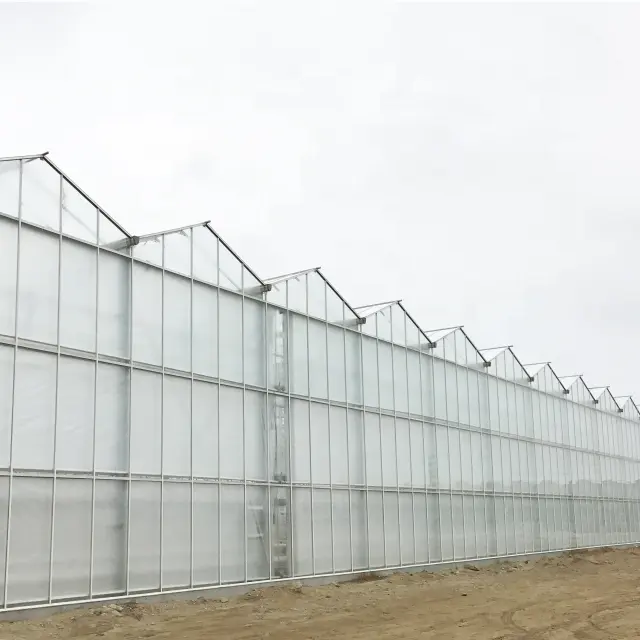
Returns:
(164, 425)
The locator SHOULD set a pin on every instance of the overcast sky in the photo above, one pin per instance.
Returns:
(479, 162)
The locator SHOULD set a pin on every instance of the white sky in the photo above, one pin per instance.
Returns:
(477, 161)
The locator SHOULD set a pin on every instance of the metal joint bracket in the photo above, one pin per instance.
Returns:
(125, 243)
(566, 392)
(361, 321)
(263, 288)
(532, 379)
(486, 365)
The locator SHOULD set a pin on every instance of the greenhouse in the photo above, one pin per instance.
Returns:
(170, 421)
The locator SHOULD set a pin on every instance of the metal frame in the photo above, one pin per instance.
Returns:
(552, 428)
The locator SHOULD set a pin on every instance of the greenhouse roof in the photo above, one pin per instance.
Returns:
(37, 191)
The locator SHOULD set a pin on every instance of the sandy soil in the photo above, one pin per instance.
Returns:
(594, 595)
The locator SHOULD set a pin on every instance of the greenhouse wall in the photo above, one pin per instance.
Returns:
(170, 421)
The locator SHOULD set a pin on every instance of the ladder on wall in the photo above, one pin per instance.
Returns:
(274, 533)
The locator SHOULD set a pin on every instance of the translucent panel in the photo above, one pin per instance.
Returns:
(353, 367)
(205, 330)
(146, 422)
(10, 188)
(302, 533)
(72, 538)
(108, 232)
(434, 531)
(113, 304)
(230, 275)
(359, 532)
(79, 216)
(339, 454)
(389, 458)
(177, 252)
(373, 447)
(417, 452)
(317, 296)
(322, 531)
(398, 328)
(177, 322)
(254, 343)
(110, 537)
(341, 530)
(298, 352)
(300, 451)
(252, 286)
(206, 539)
(256, 434)
(30, 533)
(407, 540)
(6, 401)
(320, 460)
(230, 318)
(318, 359)
(112, 418)
(34, 410)
(8, 269)
(176, 425)
(147, 314)
(176, 534)
(414, 383)
(403, 452)
(296, 293)
(258, 534)
(41, 194)
(391, 529)
(38, 288)
(233, 533)
(400, 385)
(336, 363)
(385, 370)
(74, 425)
(144, 536)
(370, 371)
(205, 429)
(357, 453)
(376, 523)
(337, 312)
(149, 250)
(78, 296)
(205, 255)
(231, 433)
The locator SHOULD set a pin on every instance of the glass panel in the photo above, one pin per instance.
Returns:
(41, 194)
(74, 425)
(10, 188)
(34, 410)
(110, 537)
(317, 296)
(339, 460)
(149, 250)
(206, 541)
(256, 434)
(205, 330)
(354, 367)
(113, 304)
(79, 216)
(373, 458)
(176, 424)
(376, 529)
(78, 279)
(318, 359)
(231, 433)
(177, 323)
(38, 294)
(233, 533)
(258, 534)
(320, 461)
(254, 342)
(205, 429)
(144, 536)
(8, 269)
(302, 535)
(230, 269)
(72, 538)
(177, 252)
(341, 531)
(176, 534)
(230, 318)
(205, 255)
(298, 373)
(391, 529)
(146, 422)
(112, 418)
(147, 314)
(300, 451)
(322, 531)
(336, 363)
(30, 531)
(6, 402)
(357, 453)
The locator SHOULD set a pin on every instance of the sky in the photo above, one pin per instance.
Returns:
(477, 161)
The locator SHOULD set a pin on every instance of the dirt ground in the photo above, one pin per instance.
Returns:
(584, 595)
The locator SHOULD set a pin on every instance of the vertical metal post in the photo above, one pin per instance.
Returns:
(346, 398)
(57, 396)
(244, 437)
(364, 445)
(395, 431)
(219, 402)
(425, 457)
(331, 503)
(95, 409)
(192, 488)
(162, 388)
(409, 421)
(311, 465)
(13, 389)
(130, 421)
(384, 530)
